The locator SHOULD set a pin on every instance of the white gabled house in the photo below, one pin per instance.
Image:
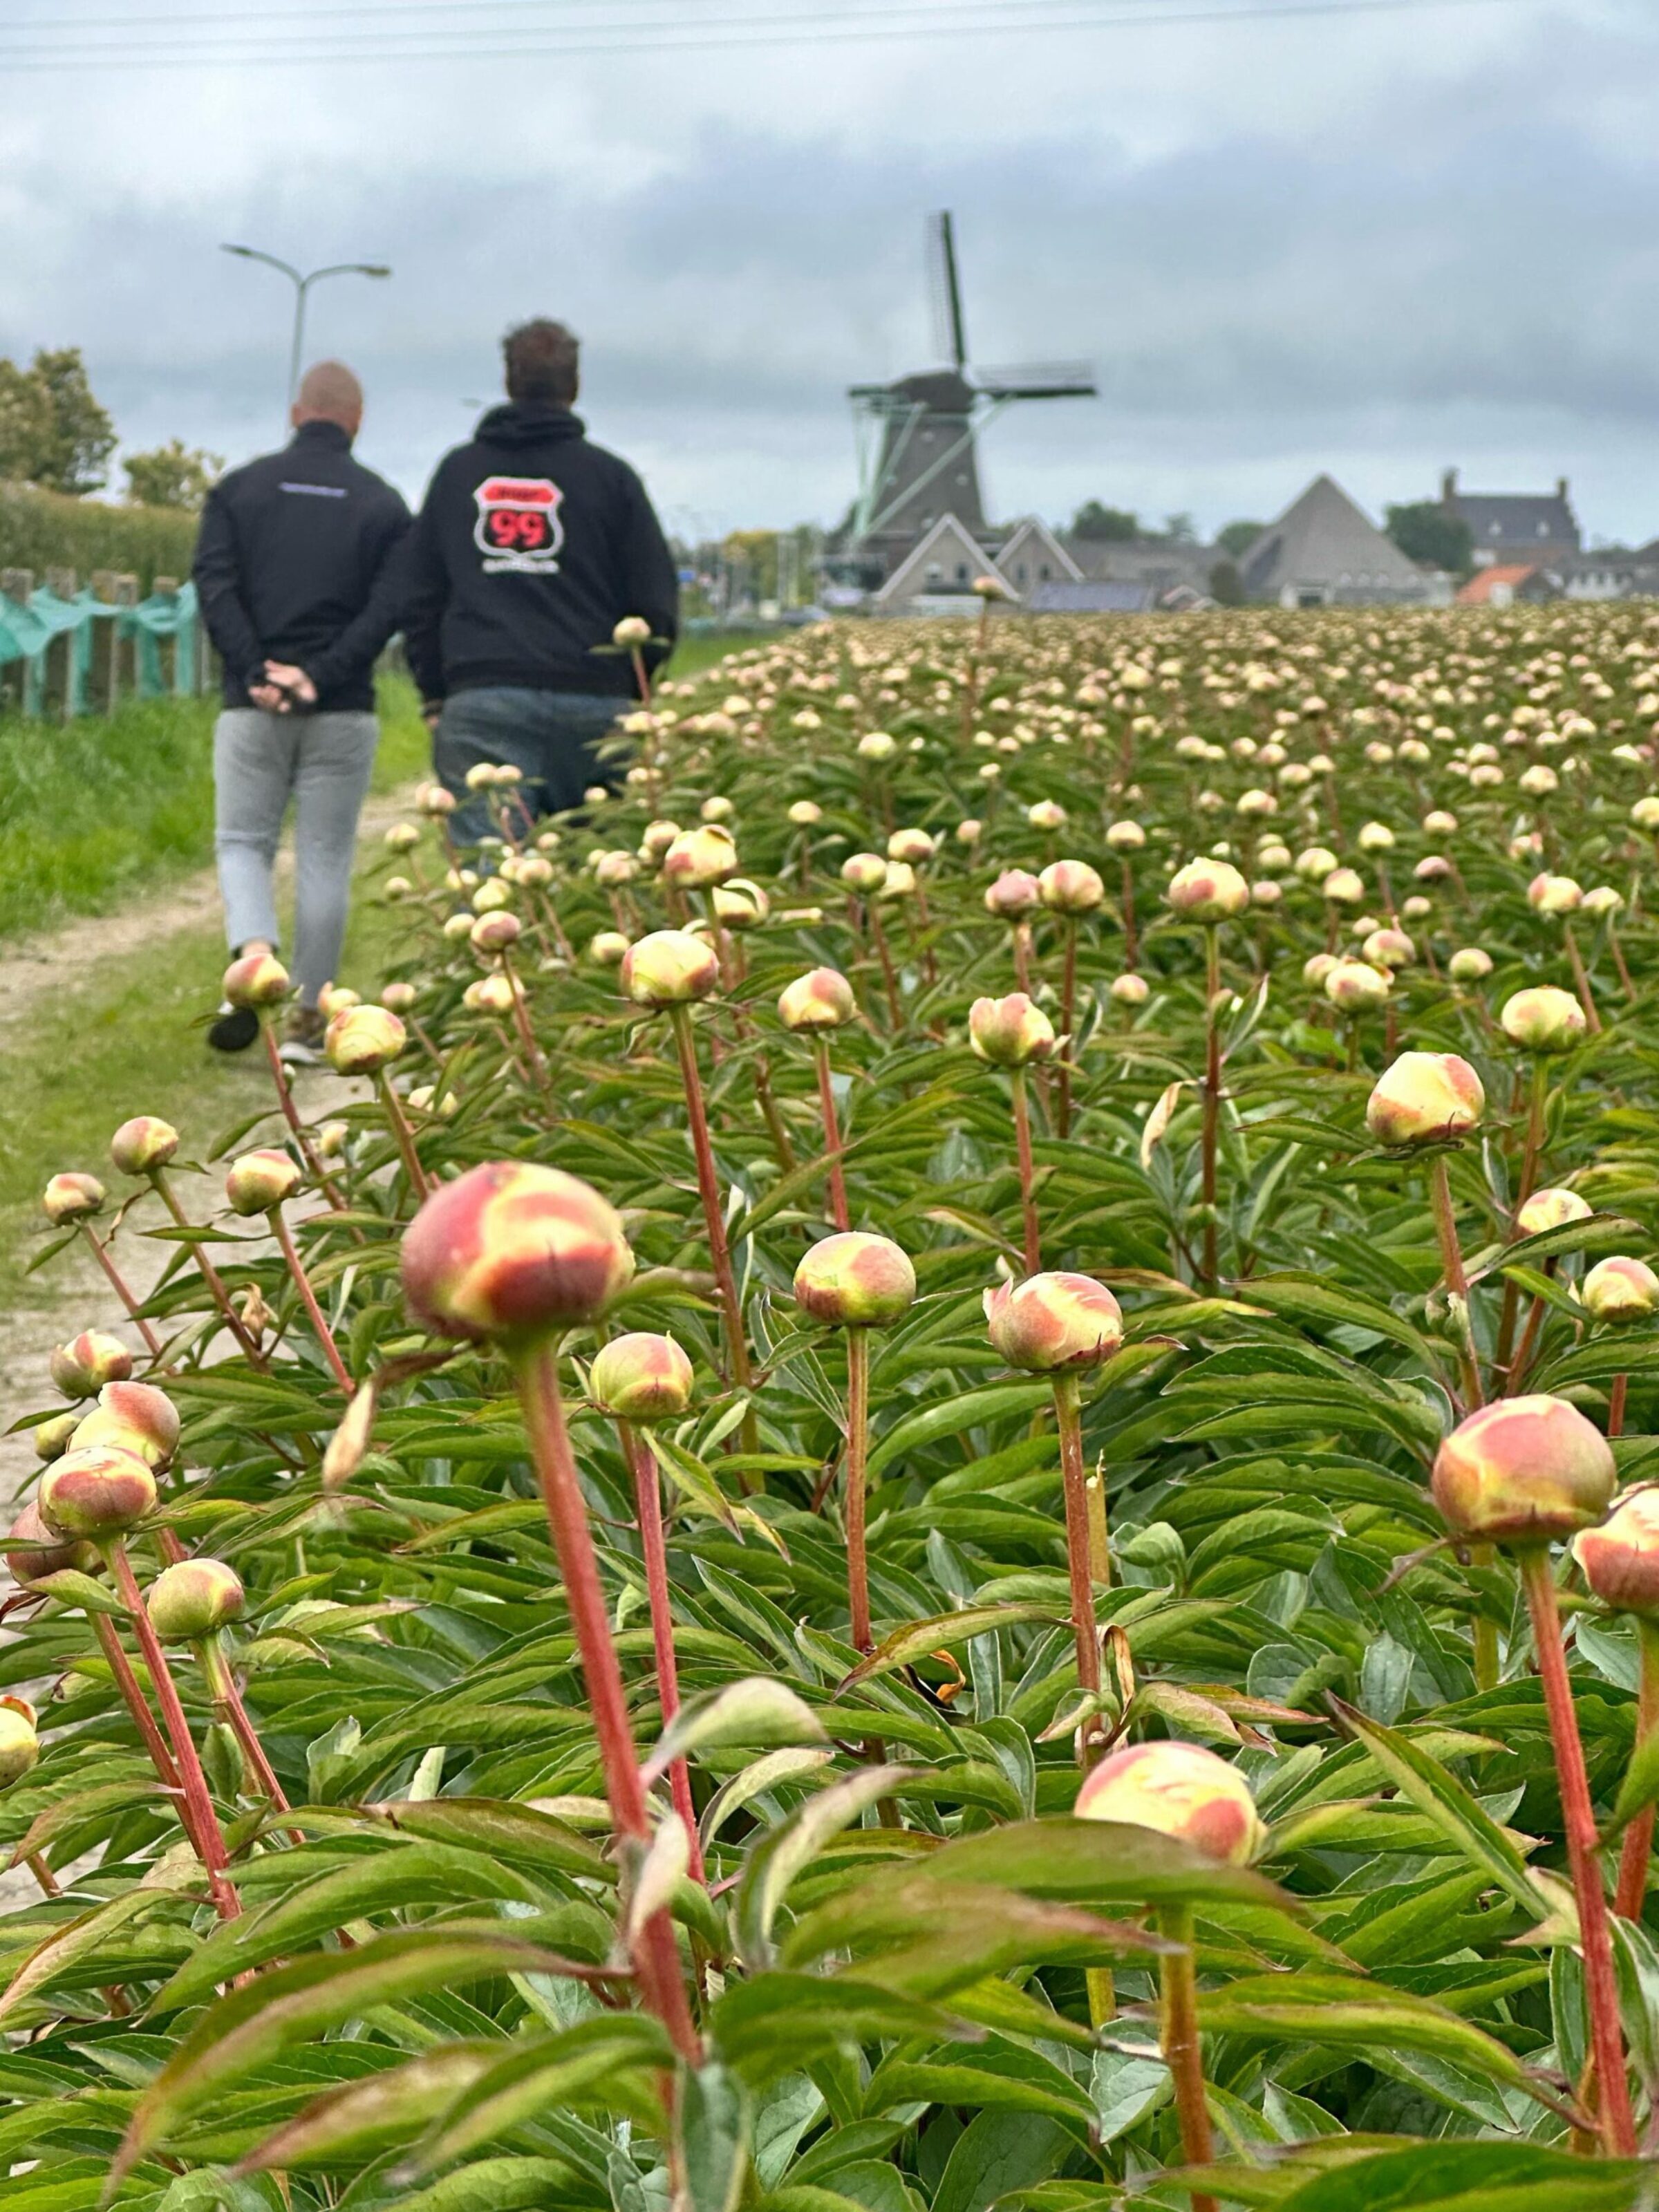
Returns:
(1031, 556)
(937, 576)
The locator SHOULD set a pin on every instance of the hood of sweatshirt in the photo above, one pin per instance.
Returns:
(528, 423)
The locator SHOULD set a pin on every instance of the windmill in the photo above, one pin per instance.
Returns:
(918, 438)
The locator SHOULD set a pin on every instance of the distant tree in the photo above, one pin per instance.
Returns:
(81, 437)
(1179, 530)
(25, 423)
(173, 475)
(1425, 531)
(1104, 525)
(1226, 584)
(1237, 537)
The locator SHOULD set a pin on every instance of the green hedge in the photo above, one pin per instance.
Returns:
(43, 530)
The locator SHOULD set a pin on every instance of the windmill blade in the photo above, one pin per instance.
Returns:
(945, 290)
(1044, 380)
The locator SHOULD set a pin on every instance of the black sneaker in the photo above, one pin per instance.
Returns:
(234, 1029)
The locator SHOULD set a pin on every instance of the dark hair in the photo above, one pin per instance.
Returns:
(541, 362)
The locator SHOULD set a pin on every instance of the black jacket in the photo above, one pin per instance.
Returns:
(530, 547)
(293, 562)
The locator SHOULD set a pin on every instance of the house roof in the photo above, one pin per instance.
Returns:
(1480, 589)
(1162, 561)
(1031, 538)
(1323, 541)
(1084, 598)
(948, 541)
(1505, 518)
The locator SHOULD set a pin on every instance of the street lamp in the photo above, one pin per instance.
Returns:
(302, 285)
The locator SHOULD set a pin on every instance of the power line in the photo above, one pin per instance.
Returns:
(936, 18)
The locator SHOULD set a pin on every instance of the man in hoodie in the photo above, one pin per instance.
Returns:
(532, 546)
(298, 587)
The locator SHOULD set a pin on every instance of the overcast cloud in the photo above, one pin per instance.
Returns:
(1375, 246)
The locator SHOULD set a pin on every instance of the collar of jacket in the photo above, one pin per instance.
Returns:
(528, 422)
(319, 433)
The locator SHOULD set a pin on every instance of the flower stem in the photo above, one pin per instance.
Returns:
(1131, 943)
(1456, 1280)
(1068, 1013)
(227, 1698)
(1068, 1419)
(720, 1251)
(858, 1442)
(1212, 1095)
(838, 1212)
(403, 1137)
(325, 1335)
(151, 1339)
(205, 1835)
(1182, 2053)
(895, 1008)
(656, 1958)
(1616, 2126)
(535, 1058)
(137, 1705)
(1033, 1234)
(1581, 979)
(1637, 1849)
(209, 1274)
(291, 1115)
(647, 1506)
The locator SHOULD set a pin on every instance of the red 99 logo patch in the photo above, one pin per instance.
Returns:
(519, 526)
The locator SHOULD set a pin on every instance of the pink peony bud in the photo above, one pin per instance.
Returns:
(607, 948)
(1071, 887)
(511, 1249)
(97, 1493)
(258, 980)
(494, 932)
(1543, 1020)
(1052, 1322)
(258, 1180)
(1013, 895)
(40, 1552)
(1047, 814)
(913, 847)
(821, 999)
(1355, 987)
(1424, 1098)
(1344, 886)
(1553, 895)
(1130, 990)
(1207, 891)
(1179, 1789)
(489, 994)
(1619, 1289)
(806, 813)
(1552, 1209)
(191, 1598)
(363, 1040)
(134, 1417)
(863, 872)
(80, 1367)
(20, 1747)
(640, 1378)
(1523, 1470)
(1621, 1558)
(700, 857)
(656, 838)
(670, 968)
(1126, 837)
(631, 630)
(1010, 1032)
(855, 1281)
(143, 1145)
(740, 904)
(400, 997)
(1390, 948)
(1469, 964)
(71, 1197)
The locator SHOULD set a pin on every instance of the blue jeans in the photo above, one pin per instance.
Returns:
(553, 737)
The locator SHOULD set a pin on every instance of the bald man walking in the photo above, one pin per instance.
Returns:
(295, 574)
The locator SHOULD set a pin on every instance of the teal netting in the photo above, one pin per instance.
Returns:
(28, 627)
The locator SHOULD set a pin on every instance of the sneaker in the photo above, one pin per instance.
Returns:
(302, 1038)
(234, 1029)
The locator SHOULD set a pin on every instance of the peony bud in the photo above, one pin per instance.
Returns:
(640, 1378)
(1353, 987)
(863, 872)
(143, 1145)
(821, 999)
(877, 746)
(607, 948)
(511, 1249)
(363, 1040)
(1010, 1032)
(1543, 1020)
(260, 1180)
(71, 1197)
(1071, 887)
(700, 857)
(806, 813)
(913, 847)
(670, 968)
(134, 1417)
(855, 1281)
(1179, 1789)
(489, 994)
(20, 1747)
(1047, 814)
(80, 1367)
(97, 1493)
(39, 1553)
(1343, 887)
(1013, 895)
(1424, 1098)
(1551, 1209)
(191, 1598)
(1469, 964)
(970, 831)
(631, 630)
(51, 1437)
(1207, 891)
(494, 932)
(658, 837)
(1314, 865)
(1126, 837)
(1052, 1322)
(740, 904)
(1130, 990)
(1620, 1559)
(1553, 895)
(1617, 1288)
(400, 997)
(1388, 948)
(258, 980)
(1523, 1470)
(1316, 968)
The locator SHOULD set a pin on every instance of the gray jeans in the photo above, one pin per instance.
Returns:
(322, 762)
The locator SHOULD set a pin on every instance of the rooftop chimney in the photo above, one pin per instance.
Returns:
(1447, 487)
(1560, 487)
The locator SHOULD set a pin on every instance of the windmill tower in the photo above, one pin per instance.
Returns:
(918, 438)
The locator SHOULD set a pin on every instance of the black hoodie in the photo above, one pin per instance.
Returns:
(530, 547)
(293, 562)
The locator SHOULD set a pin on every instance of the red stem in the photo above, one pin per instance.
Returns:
(1616, 1405)
(228, 1697)
(404, 1136)
(1182, 2052)
(858, 1445)
(137, 1705)
(896, 1010)
(290, 1114)
(209, 1843)
(1615, 2123)
(647, 1506)
(1211, 1096)
(720, 1252)
(1067, 1011)
(1457, 1282)
(1033, 1234)
(1069, 1418)
(533, 1054)
(307, 1298)
(1581, 979)
(121, 1291)
(1638, 1850)
(838, 1212)
(1131, 945)
(210, 1274)
(656, 1959)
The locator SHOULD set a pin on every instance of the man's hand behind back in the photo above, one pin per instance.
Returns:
(297, 686)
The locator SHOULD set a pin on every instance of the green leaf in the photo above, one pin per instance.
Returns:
(714, 2124)
(611, 2062)
(783, 1851)
(1476, 2177)
(360, 2119)
(971, 1409)
(754, 1713)
(918, 1640)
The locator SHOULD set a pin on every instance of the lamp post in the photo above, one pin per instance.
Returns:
(302, 285)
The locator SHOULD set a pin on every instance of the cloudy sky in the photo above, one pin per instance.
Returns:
(1376, 241)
